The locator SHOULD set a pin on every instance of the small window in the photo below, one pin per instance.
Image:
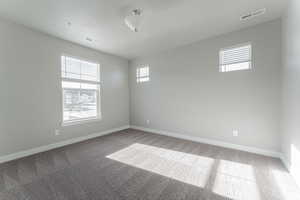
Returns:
(80, 90)
(142, 74)
(236, 58)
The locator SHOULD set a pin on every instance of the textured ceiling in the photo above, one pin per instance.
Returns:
(166, 23)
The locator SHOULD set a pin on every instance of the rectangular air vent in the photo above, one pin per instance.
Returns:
(253, 14)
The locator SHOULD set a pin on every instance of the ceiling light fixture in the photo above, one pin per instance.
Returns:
(253, 14)
(133, 21)
(89, 39)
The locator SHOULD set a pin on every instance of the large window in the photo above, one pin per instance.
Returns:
(236, 58)
(142, 74)
(80, 90)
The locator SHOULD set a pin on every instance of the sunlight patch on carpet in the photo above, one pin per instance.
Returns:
(236, 181)
(188, 168)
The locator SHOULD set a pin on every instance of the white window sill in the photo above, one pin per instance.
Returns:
(83, 121)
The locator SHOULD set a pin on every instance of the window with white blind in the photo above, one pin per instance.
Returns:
(142, 74)
(236, 58)
(80, 90)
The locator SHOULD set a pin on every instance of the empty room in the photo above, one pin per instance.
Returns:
(149, 100)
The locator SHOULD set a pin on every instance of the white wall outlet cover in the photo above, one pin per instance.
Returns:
(235, 133)
(148, 121)
(57, 132)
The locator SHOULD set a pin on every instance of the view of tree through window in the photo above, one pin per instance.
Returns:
(81, 90)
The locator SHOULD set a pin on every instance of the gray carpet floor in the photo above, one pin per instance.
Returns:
(132, 164)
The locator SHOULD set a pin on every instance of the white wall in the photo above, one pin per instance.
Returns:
(291, 88)
(188, 95)
(30, 89)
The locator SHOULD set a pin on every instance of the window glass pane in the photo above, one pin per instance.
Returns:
(236, 67)
(80, 101)
(142, 74)
(144, 71)
(143, 79)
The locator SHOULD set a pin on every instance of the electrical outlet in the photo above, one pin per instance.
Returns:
(235, 133)
(57, 132)
(148, 121)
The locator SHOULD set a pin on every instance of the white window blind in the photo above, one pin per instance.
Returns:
(236, 58)
(74, 68)
(142, 74)
(80, 90)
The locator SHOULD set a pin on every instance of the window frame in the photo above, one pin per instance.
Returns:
(139, 77)
(75, 80)
(234, 47)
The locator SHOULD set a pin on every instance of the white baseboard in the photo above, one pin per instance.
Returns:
(212, 142)
(33, 151)
(294, 172)
(286, 163)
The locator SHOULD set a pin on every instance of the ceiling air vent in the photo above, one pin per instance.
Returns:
(253, 14)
